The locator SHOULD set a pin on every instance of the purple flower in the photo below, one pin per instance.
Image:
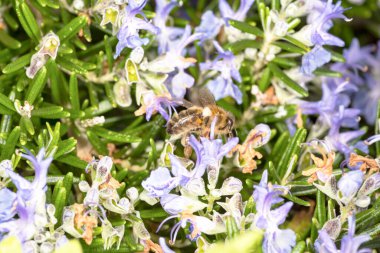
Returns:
(166, 35)
(210, 26)
(210, 153)
(223, 85)
(30, 202)
(160, 182)
(323, 23)
(182, 207)
(350, 183)
(316, 33)
(173, 62)
(227, 13)
(7, 205)
(165, 248)
(153, 103)
(368, 96)
(357, 60)
(316, 58)
(371, 140)
(342, 142)
(128, 34)
(266, 195)
(350, 242)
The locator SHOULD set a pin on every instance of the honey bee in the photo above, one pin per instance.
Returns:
(199, 116)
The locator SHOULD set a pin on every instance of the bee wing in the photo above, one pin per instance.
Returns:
(187, 104)
(202, 97)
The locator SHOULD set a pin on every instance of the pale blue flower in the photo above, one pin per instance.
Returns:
(366, 99)
(160, 104)
(30, 202)
(165, 248)
(228, 13)
(223, 85)
(128, 34)
(316, 58)
(7, 205)
(350, 183)
(174, 63)
(321, 25)
(266, 195)
(373, 139)
(320, 22)
(210, 26)
(161, 182)
(182, 207)
(349, 244)
(166, 34)
(210, 152)
(357, 60)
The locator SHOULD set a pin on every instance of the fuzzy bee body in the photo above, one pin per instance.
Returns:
(199, 118)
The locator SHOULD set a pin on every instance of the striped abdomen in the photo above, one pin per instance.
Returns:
(186, 121)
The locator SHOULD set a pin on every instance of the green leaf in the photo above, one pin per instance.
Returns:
(327, 72)
(73, 161)
(285, 62)
(241, 45)
(11, 21)
(114, 136)
(27, 124)
(277, 72)
(293, 148)
(5, 101)
(57, 186)
(9, 147)
(68, 183)
(28, 21)
(265, 79)
(297, 43)
(64, 147)
(321, 208)
(231, 227)
(289, 47)
(59, 203)
(37, 85)
(74, 65)
(297, 200)
(17, 64)
(247, 28)
(50, 112)
(300, 247)
(98, 145)
(8, 41)
(272, 114)
(153, 213)
(72, 28)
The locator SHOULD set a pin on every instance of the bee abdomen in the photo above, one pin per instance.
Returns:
(185, 123)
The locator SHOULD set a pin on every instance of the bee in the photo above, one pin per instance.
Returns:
(198, 117)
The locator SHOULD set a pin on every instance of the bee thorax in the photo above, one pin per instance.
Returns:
(206, 112)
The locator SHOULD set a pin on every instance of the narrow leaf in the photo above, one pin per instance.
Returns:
(277, 72)
(37, 85)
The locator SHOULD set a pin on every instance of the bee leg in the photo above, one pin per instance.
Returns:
(187, 150)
